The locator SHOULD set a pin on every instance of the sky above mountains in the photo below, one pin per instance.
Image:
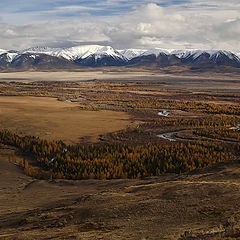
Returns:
(178, 24)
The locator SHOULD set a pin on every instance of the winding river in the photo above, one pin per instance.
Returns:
(168, 136)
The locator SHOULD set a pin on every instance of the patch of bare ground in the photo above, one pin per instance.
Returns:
(203, 204)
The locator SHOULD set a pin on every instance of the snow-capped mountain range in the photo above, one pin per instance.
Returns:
(96, 55)
(73, 53)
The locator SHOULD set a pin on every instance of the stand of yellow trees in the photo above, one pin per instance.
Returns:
(114, 161)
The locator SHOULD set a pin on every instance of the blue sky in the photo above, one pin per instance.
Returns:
(208, 24)
(21, 12)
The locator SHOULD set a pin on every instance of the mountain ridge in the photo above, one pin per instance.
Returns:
(97, 56)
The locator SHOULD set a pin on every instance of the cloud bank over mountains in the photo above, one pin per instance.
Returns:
(213, 24)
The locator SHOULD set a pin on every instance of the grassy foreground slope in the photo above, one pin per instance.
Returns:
(202, 204)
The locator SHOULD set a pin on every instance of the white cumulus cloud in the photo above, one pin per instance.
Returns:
(203, 25)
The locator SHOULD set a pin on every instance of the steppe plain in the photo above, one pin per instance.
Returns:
(108, 106)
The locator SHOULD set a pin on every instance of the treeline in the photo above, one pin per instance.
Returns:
(218, 133)
(38, 89)
(114, 161)
(135, 101)
(197, 122)
(209, 108)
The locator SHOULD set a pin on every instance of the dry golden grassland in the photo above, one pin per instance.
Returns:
(52, 119)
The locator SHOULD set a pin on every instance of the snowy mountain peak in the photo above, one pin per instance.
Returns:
(88, 50)
(41, 50)
(194, 53)
(187, 53)
(219, 53)
(77, 52)
(131, 53)
(9, 55)
(156, 52)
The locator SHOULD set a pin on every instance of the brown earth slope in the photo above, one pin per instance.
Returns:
(204, 202)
